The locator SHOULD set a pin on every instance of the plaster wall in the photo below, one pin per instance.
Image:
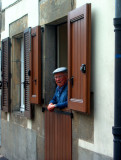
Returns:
(102, 76)
(19, 10)
(19, 143)
(6, 3)
(93, 132)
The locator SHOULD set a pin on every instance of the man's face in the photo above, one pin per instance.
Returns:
(60, 78)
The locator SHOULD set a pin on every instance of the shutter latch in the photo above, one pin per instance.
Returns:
(29, 73)
(71, 80)
(34, 81)
(83, 68)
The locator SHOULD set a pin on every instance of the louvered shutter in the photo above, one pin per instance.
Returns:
(35, 65)
(6, 75)
(79, 48)
(27, 48)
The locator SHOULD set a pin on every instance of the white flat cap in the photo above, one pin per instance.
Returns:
(60, 69)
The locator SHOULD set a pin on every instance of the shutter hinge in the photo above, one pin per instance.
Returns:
(42, 29)
(10, 101)
(10, 75)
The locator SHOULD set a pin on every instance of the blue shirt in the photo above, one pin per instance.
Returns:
(60, 96)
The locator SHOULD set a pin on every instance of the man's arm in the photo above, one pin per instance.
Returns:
(62, 105)
(51, 106)
(53, 101)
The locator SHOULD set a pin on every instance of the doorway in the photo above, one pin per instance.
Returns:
(58, 124)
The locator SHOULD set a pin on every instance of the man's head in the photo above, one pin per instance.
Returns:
(60, 75)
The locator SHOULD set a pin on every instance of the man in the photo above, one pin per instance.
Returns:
(60, 97)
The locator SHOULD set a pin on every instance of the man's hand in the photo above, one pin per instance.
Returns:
(51, 107)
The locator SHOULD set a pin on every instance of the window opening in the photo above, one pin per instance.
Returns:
(62, 45)
(22, 107)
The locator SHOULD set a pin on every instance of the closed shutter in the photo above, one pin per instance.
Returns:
(27, 48)
(79, 47)
(6, 75)
(35, 65)
(58, 136)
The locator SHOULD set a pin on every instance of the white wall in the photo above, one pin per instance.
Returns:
(102, 63)
(6, 3)
(19, 10)
(102, 74)
(24, 7)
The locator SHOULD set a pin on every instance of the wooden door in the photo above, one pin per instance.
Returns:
(58, 136)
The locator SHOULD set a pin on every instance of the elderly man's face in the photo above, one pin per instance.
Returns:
(60, 78)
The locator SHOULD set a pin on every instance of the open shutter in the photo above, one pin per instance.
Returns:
(27, 48)
(79, 48)
(35, 66)
(6, 75)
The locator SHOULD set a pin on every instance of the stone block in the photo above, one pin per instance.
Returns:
(18, 26)
(40, 148)
(84, 154)
(51, 10)
(18, 142)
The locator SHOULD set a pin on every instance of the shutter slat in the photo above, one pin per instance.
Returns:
(6, 75)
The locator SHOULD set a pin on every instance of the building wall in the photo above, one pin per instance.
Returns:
(14, 11)
(91, 134)
(102, 76)
(94, 132)
(21, 137)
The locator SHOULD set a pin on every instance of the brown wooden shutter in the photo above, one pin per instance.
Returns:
(27, 48)
(35, 65)
(58, 136)
(79, 48)
(6, 75)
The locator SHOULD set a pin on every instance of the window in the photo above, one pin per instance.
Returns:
(62, 45)
(25, 70)
(17, 71)
(22, 106)
(73, 37)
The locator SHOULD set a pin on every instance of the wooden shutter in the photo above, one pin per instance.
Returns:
(58, 136)
(6, 75)
(35, 66)
(27, 48)
(79, 47)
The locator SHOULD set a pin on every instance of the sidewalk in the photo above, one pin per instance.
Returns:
(3, 158)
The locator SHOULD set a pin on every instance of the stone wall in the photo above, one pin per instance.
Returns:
(18, 142)
(51, 10)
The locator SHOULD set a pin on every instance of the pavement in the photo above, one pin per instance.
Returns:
(3, 158)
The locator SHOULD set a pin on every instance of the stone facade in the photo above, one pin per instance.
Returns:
(25, 138)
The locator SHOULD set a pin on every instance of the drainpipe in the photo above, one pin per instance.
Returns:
(116, 130)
